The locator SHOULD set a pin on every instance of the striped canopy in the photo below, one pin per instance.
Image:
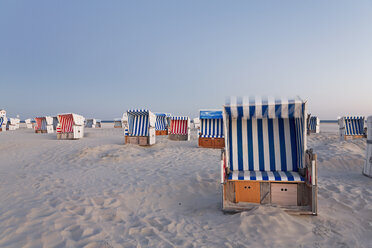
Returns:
(138, 122)
(265, 135)
(211, 124)
(266, 107)
(353, 125)
(179, 125)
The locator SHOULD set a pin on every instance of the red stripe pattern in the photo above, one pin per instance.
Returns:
(66, 122)
(38, 123)
(179, 127)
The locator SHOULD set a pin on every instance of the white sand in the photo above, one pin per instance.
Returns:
(97, 192)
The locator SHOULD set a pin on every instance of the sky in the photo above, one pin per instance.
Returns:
(100, 58)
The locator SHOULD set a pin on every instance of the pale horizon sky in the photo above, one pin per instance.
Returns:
(100, 58)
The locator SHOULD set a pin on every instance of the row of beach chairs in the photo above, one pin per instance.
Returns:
(263, 142)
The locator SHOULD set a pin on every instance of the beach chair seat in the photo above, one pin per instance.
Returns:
(267, 176)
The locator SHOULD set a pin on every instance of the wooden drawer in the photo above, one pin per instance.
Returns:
(143, 141)
(284, 194)
(133, 140)
(219, 143)
(247, 191)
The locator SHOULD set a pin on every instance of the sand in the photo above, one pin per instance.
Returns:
(97, 192)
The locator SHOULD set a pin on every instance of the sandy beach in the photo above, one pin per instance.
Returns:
(98, 192)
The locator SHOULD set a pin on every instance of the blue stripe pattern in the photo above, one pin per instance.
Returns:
(266, 138)
(354, 125)
(1, 121)
(161, 122)
(211, 128)
(313, 123)
(288, 176)
(138, 122)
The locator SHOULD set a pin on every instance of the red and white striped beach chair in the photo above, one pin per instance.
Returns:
(70, 126)
(179, 128)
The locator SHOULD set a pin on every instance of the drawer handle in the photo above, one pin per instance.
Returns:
(283, 189)
(248, 187)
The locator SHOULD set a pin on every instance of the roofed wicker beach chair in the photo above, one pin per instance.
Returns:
(266, 160)
(161, 124)
(44, 124)
(314, 124)
(140, 128)
(211, 129)
(179, 128)
(70, 126)
(351, 127)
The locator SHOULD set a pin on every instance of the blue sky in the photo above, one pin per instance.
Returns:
(99, 58)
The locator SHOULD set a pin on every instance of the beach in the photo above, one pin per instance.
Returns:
(99, 192)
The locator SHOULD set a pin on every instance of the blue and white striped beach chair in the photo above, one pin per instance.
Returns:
(211, 129)
(265, 159)
(161, 124)
(351, 127)
(141, 127)
(314, 124)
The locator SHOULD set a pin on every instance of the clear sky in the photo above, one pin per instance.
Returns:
(99, 58)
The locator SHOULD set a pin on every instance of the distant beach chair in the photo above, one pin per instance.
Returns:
(44, 124)
(12, 124)
(367, 170)
(179, 128)
(3, 123)
(70, 126)
(211, 129)
(141, 127)
(196, 122)
(351, 127)
(29, 123)
(118, 123)
(161, 124)
(314, 124)
(266, 160)
(55, 123)
(98, 123)
(93, 123)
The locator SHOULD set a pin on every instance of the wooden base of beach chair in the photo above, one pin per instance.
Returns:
(178, 137)
(217, 143)
(117, 127)
(66, 136)
(244, 195)
(137, 140)
(40, 131)
(161, 132)
(351, 137)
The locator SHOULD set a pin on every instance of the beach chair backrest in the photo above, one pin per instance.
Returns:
(211, 124)
(66, 122)
(313, 122)
(353, 125)
(138, 122)
(265, 134)
(161, 121)
(179, 125)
